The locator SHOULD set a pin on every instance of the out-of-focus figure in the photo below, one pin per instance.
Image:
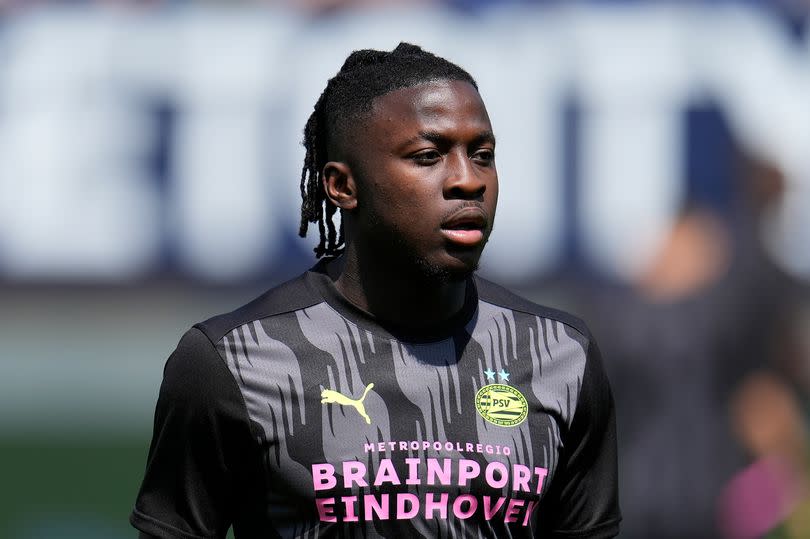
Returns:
(671, 353)
(773, 493)
(684, 341)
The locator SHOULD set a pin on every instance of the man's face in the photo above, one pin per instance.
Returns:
(424, 165)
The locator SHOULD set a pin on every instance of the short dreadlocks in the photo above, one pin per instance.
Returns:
(366, 74)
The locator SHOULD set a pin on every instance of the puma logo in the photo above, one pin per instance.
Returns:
(330, 396)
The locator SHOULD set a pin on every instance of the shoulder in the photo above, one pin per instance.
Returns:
(495, 294)
(288, 297)
(197, 384)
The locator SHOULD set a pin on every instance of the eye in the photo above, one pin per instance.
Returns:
(484, 156)
(426, 157)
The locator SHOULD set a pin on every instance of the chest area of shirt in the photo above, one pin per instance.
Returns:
(358, 426)
(372, 451)
(355, 385)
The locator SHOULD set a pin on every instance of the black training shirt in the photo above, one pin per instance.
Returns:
(299, 415)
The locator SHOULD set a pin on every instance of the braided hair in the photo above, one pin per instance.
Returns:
(365, 75)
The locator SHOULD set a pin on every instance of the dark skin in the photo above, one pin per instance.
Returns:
(418, 189)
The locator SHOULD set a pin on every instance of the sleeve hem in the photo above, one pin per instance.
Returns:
(155, 527)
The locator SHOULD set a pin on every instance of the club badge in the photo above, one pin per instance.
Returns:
(501, 404)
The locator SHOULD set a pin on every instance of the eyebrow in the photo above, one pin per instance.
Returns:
(438, 138)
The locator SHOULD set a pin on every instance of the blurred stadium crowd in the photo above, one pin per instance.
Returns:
(655, 167)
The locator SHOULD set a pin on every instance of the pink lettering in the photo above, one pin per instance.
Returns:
(413, 472)
(353, 473)
(541, 475)
(520, 477)
(425, 446)
(378, 507)
(386, 473)
(469, 447)
(459, 512)
(381, 446)
(512, 510)
(325, 512)
(411, 499)
(529, 510)
(323, 476)
(403, 446)
(348, 503)
(443, 473)
(368, 447)
(489, 510)
(489, 474)
(467, 469)
(431, 505)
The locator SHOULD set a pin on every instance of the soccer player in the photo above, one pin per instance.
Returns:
(388, 391)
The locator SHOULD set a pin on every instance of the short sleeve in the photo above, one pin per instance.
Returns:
(584, 498)
(200, 430)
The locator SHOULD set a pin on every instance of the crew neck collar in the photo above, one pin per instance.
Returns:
(319, 278)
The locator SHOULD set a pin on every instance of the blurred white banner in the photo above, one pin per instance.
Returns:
(95, 184)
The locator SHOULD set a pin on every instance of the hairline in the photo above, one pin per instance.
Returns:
(359, 118)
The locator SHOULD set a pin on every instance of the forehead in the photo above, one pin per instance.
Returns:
(437, 105)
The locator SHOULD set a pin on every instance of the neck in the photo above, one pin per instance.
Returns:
(406, 298)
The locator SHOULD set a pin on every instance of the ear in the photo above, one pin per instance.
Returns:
(339, 185)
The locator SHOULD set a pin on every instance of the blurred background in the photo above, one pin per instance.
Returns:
(654, 160)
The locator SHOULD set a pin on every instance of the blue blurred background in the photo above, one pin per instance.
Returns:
(654, 160)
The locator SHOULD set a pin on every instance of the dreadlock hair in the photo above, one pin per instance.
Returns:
(365, 75)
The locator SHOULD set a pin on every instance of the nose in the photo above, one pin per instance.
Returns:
(463, 180)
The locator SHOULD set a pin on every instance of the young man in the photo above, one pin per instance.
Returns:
(387, 392)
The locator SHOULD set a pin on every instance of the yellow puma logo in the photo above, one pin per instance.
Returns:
(330, 396)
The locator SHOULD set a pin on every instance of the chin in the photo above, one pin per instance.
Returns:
(456, 270)
(443, 264)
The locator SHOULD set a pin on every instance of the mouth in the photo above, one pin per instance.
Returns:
(466, 227)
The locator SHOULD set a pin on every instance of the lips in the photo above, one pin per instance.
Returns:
(466, 226)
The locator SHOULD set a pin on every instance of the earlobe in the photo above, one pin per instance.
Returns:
(339, 185)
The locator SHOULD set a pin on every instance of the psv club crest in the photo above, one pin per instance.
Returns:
(501, 404)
